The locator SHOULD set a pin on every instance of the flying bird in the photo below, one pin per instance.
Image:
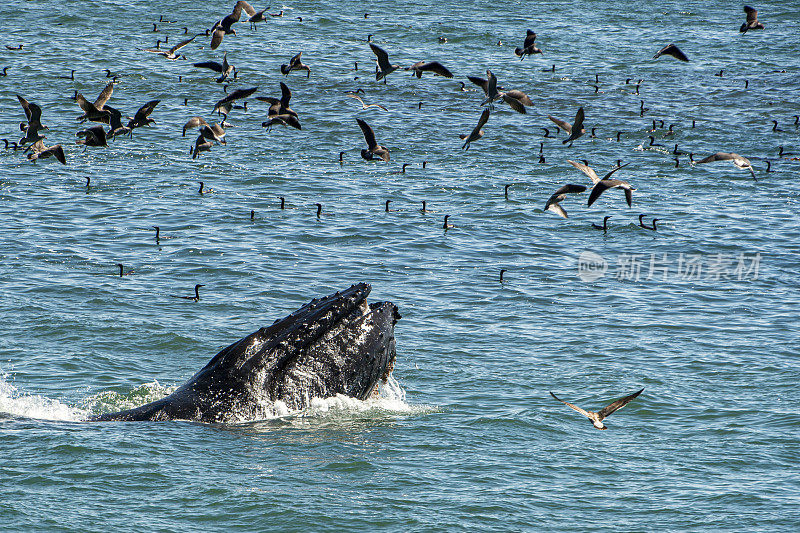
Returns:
(433, 66)
(598, 417)
(235, 95)
(94, 136)
(752, 22)
(279, 106)
(194, 122)
(95, 111)
(671, 50)
(373, 148)
(295, 64)
(225, 69)
(516, 99)
(224, 26)
(477, 131)
(739, 161)
(170, 54)
(384, 67)
(366, 106)
(574, 130)
(528, 47)
(142, 117)
(39, 151)
(554, 202)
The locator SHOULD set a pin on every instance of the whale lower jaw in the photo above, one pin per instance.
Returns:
(339, 344)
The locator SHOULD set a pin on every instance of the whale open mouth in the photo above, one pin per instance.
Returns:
(335, 345)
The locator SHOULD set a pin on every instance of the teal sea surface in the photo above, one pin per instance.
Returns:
(702, 312)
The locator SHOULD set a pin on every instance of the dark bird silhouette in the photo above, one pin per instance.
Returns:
(446, 225)
(528, 47)
(384, 67)
(196, 296)
(39, 151)
(554, 202)
(645, 226)
(574, 130)
(604, 227)
(142, 116)
(34, 115)
(673, 51)
(279, 106)
(752, 22)
(95, 111)
(94, 136)
(433, 66)
(224, 27)
(224, 69)
(598, 417)
(514, 98)
(373, 148)
(477, 131)
(201, 144)
(295, 64)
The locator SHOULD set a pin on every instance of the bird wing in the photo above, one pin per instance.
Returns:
(357, 98)
(578, 124)
(26, 106)
(216, 38)
(295, 60)
(521, 96)
(272, 100)
(181, 45)
(58, 152)
(213, 65)
(286, 95)
(114, 117)
(491, 88)
(515, 104)
(530, 38)
(383, 57)
(563, 124)
(146, 109)
(619, 404)
(581, 411)
(105, 94)
(241, 4)
(719, 156)
(674, 51)
(586, 169)
(480, 82)
(752, 15)
(369, 135)
(555, 207)
(608, 175)
(436, 68)
(84, 104)
(598, 189)
(483, 120)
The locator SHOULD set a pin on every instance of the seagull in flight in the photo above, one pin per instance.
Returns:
(597, 418)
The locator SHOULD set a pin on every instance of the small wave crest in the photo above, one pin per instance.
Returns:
(14, 403)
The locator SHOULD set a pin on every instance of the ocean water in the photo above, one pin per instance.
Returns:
(702, 313)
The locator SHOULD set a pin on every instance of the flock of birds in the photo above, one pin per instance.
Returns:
(110, 123)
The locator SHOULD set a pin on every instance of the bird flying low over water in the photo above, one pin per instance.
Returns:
(34, 115)
(171, 53)
(736, 159)
(433, 66)
(752, 22)
(515, 98)
(528, 47)
(225, 69)
(39, 151)
(598, 417)
(142, 117)
(553, 203)
(295, 64)
(671, 50)
(574, 130)
(373, 148)
(603, 185)
(363, 105)
(477, 131)
(279, 111)
(95, 111)
(94, 136)
(384, 67)
(224, 26)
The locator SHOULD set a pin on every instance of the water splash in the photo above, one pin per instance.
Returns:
(17, 404)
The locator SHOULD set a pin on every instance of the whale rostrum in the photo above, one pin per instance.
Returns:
(338, 344)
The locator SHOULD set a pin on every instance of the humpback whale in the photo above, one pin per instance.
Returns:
(339, 344)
